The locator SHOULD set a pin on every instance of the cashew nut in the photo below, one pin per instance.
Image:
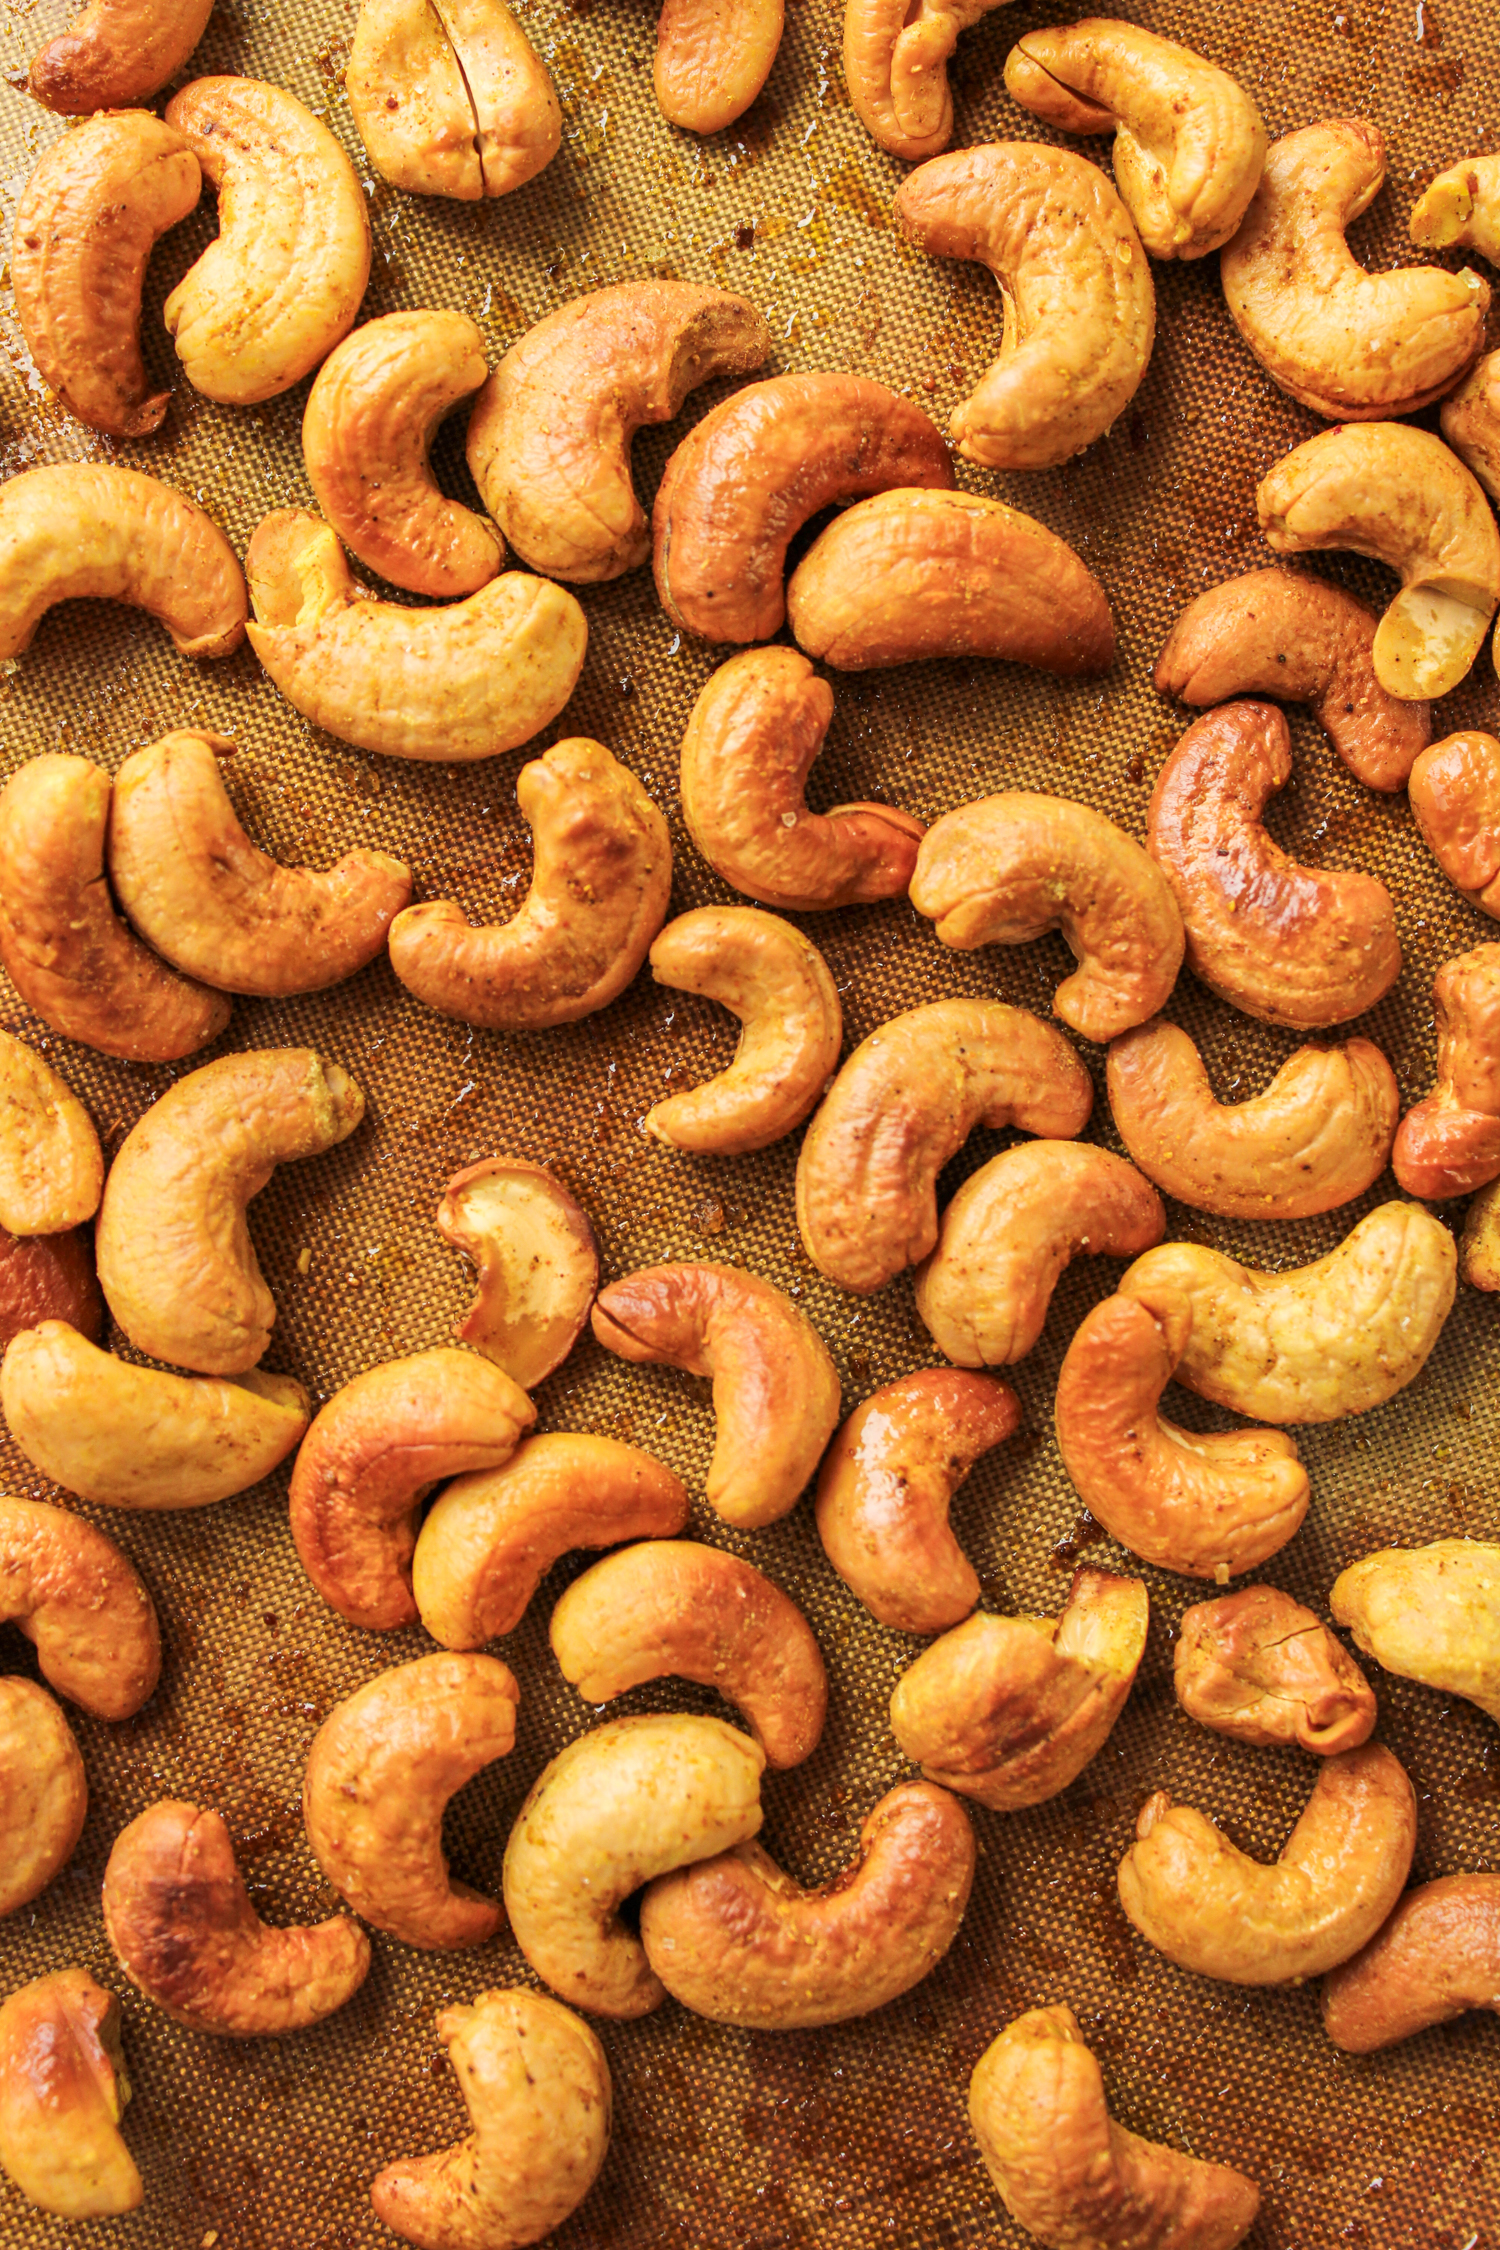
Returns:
(673, 1608)
(1455, 794)
(905, 1101)
(63, 2091)
(381, 1769)
(601, 879)
(752, 472)
(78, 1601)
(896, 67)
(1450, 1143)
(1429, 1614)
(712, 60)
(776, 1394)
(1471, 421)
(451, 98)
(735, 1939)
(1461, 206)
(551, 431)
(1289, 944)
(1080, 305)
(1258, 1666)
(1479, 1246)
(1200, 1900)
(48, 1277)
(1437, 1957)
(621, 1805)
(51, 1167)
(115, 53)
(44, 1797)
(538, 1264)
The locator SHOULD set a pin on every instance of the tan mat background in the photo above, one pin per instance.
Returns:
(853, 2137)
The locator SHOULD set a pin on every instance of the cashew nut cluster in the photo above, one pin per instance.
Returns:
(1450, 1143)
(1455, 795)
(451, 98)
(538, 1264)
(51, 1166)
(896, 68)
(712, 61)
(81, 1605)
(1437, 1957)
(63, 2091)
(1429, 1614)
(116, 52)
(44, 1795)
(1258, 1666)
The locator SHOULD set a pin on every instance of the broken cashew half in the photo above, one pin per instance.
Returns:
(1449, 1144)
(538, 1264)
(51, 1165)
(1437, 1957)
(44, 1795)
(63, 2091)
(1455, 795)
(116, 53)
(451, 98)
(896, 68)
(81, 1605)
(1429, 1614)
(1258, 1666)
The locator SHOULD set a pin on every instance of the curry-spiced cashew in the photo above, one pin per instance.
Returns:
(712, 60)
(49, 1277)
(1461, 207)
(1429, 1614)
(452, 98)
(537, 1258)
(1455, 794)
(81, 1605)
(44, 1796)
(1258, 1666)
(1471, 422)
(1080, 304)
(63, 2091)
(1449, 1144)
(115, 53)
(1436, 1957)
(51, 1165)
(896, 68)
(1479, 1245)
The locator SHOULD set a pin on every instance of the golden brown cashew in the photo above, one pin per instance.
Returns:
(1461, 206)
(1080, 306)
(712, 60)
(550, 435)
(49, 1277)
(1450, 1143)
(51, 1167)
(1455, 794)
(380, 1770)
(1004, 870)
(754, 470)
(538, 1264)
(1288, 944)
(115, 53)
(81, 1605)
(896, 67)
(1429, 1614)
(670, 1607)
(63, 2091)
(44, 1797)
(1258, 1666)
(1437, 1957)
(776, 1395)
(1471, 421)
(86, 223)
(450, 98)
(1479, 1246)
(601, 879)
(736, 1940)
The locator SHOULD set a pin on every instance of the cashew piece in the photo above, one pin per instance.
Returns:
(452, 98)
(1428, 1614)
(736, 1940)
(380, 1770)
(48, 1277)
(63, 2091)
(712, 60)
(51, 1165)
(1479, 1246)
(599, 889)
(1288, 944)
(1437, 1957)
(44, 1797)
(81, 1605)
(116, 53)
(1461, 206)
(1471, 421)
(1080, 305)
(1258, 1666)
(1455, 794)
(538, 1264)
(896, 66)
(1450, 1143)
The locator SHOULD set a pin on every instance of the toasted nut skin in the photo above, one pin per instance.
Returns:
(1479, 1246)
(1288, 944)
(44, 1797)
(673, 1608)
(1428, 1613)
(1009, 1710)
(378, 1445)
(51, 1165)
(896, 67)
(115, 53)
(924, 574)
(1471, 421)
(380, 1770)
(175, 1259)
(735, 1939)
(885, 1488)
(776, 1395)
(451, 99)
(712, 60)
(1317, 1137)
(63, 2091)
(751, 473)
(1437, 1957)
(905, 1101)
(1450, 1143)
(48, 1277)
(1258, 1666)
(1455, 794)
(1080, 305)
(538, 1264)
(1013, 1226)
(85, 226)
(81, 1605)
(1006, 869)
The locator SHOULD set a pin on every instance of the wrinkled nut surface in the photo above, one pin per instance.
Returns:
(1429, 1614)
(49, 1277)
(451, 98)
(1450, 1143)
(1437, 1957)
(1288, 944)
(380, 1770)
(1209, 1907)
(537, 1260)
(1006, 869)
(51, 1165)
(1479, 1246)
(670, 1608)
(1009, 1710)
(905, 1101)
(735, 1939)
(712, 60)
(63, 2091)
(1258, 1666)
(623, 1804)
(1471, 421)
(896, 68)
(1455, 795)
(44, 1797)
(776, 1393)
(601, 879)
(115, 53)
(1080, 305)
(81, 1605)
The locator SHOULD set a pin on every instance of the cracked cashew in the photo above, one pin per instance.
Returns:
(1258, 1666)
(450, 97)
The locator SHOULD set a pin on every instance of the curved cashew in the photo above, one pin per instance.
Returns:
(538, 1264)
(81, 1605)
(1258, 1666)
(1288, 944)
(51, 1166)
(1080, 306)
(451, 99)
(48, 1277)
(776, 1394)
(601, 879)
(63, 2091)
(712, 61)
(1479, 1246)
(1429, 1614)
(1317, 1137)
(673, 1608)
(373, 1452)
(116, 53)
(1398, 495)
(886, 1485)
(1450, 1143)
(1471, 421)
(1200, 1900)
(896, 67)
(182, 1927)
(623, 1804)
(175, 1259)
(1013, 1226)
(1009, 1710)
(1455, 794)
(86, 223)
(1437, 1957)
(380, 1770)
(1004, 870)
(550, 435)
(44, 1797)
(750, 475)
(736, 1940)
(453, 684)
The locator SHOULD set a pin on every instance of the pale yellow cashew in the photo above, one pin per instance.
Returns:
(1430, 1614)
(896, 67)
(450, 97)
(63, 2091)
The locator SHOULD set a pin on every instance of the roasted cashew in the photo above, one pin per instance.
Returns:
(48, 1277)
(905, 1101)
(776, 1395)
(1449, 1144)
(63, 2091)
(86, 223)
(896, 67)
(1258, 1666)
(1461, 206)
(621, 1805)
(1317, 1137)
(1288, 944)
(78, 1601)
(736, 1940)
(1209, 1907)
(550, 435)
(1455, 794)
(51, 1166)
(1479, 1246)
(374, 1451)
(1429, 1614)
(1080, 305)
(1004, 870)
(451, 98)
(1471, 421)
(115, 53)
(44, 1797)
(1437, 1957)
(673, 1608)
(538, 1264)
(380, 1770)
(712, 60)
(752, 472)
(601, 879)
(453, 684)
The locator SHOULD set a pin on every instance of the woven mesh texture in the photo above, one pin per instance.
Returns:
(852, 2137)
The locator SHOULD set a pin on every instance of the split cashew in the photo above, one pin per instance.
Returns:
(1437, 1957)
(51, 1166)
(63, 2091)
(116, 53)
(1450, 1143)
(81, 1605)
(1429, 1614)
(1258, 1666)
(450, 98)
(48, 1277)
(896, 67)
(1455, 794)
(712, 60)
(538, 1264)
(44, 1796)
